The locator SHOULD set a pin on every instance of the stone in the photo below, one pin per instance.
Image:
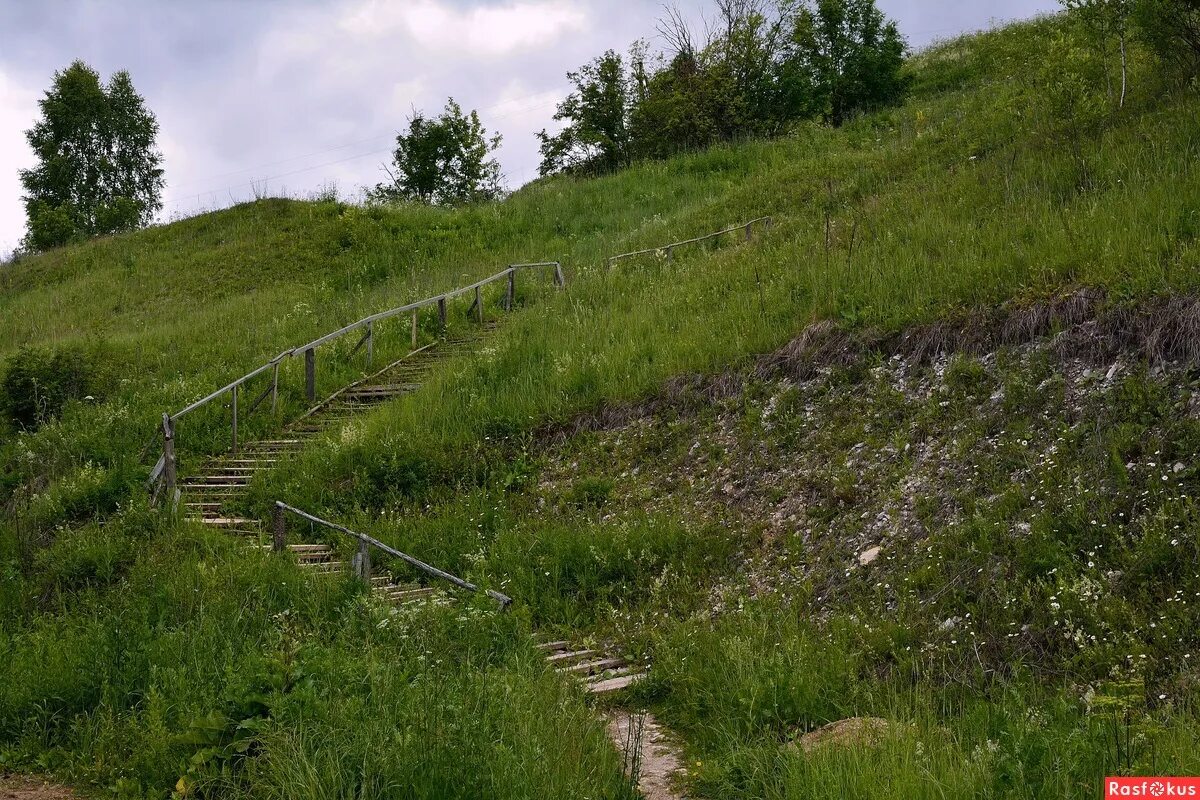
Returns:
(852, 732)
(868, 555)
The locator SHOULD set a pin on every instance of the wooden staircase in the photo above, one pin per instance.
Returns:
(224, 480)
(600, 672)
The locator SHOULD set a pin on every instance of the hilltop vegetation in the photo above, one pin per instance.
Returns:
(576, 464)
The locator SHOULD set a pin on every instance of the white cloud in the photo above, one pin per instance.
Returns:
(18, 111)
(487, 31)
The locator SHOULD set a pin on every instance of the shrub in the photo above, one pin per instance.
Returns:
(39, 383)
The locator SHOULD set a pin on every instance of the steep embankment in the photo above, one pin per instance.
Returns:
(724, 528)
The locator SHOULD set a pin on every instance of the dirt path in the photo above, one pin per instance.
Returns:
(21, 787)
(645, 747)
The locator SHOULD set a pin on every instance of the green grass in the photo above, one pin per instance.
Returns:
(139, 657)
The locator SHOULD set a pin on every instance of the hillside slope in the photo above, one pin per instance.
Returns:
(965, 341)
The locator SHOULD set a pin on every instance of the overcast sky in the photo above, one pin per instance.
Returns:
(298, 94)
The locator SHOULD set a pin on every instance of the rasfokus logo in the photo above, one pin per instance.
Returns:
(1151, 787)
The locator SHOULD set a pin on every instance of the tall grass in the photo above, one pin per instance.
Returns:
(138, 655)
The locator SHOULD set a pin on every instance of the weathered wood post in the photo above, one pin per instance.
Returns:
(275, 388)
(233, 404)
(169, 475)
(278, 531)
(370, 342)
(749, 231)
(310, 374)
(414, 329)
(479, 303)
(559, 279)
(670, 254)
(512, 289)
(442, 312)
(361, 562)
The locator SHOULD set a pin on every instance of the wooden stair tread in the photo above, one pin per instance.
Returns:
(614, 684)
(589, 667)
(221, 522)
(569, 656)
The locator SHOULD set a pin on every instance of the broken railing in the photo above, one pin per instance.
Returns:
(668, 249)
(163, 476)
(362, 561)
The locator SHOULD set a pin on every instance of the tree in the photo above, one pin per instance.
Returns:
(845, 57)
(596, 135)
(1172, 29)
(1107, 20)
(98, 170)
(443, 161)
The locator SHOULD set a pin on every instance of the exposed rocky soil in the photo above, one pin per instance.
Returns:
(647, 749)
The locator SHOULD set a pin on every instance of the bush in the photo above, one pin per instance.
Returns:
(1172, 30)
(39, 383)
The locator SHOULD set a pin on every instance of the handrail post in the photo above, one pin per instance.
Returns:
(370, 342)
(168, 429)
(310, 374)
(512, 289)
(442, 312)
(559, 279)
(414, 330)
(234, 403)
(670, 254)
(749, 230)
(479, 303)
(275, 388)
(278, 530)
(362, 561)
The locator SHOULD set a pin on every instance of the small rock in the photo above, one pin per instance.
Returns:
(950, 624)
(855, 731)
(1178, 468)
(868, 555)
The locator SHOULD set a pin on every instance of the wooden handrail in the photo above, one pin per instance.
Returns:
(159, 474)
(280, 506)
(667, 248)
(366, 321)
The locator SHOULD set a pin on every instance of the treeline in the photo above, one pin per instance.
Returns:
(762, 65)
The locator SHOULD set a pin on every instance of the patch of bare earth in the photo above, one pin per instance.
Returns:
(648, 753)
(22, 787)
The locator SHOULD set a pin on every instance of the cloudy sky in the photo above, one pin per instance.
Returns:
(293, 95)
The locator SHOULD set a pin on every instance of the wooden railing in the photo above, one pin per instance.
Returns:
(668, 249)
(362, 561)
(163, 476)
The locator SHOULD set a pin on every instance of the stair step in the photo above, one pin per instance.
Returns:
(300, 548)
(569, 656)
(229, 522)
(408, 595)
(323, 566)
(614, 684)
(617, 672)
(552, 646)
(590, 667)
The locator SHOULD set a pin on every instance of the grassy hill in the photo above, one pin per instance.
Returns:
(560, 463)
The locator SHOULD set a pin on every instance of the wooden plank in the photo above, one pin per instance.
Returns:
(310, 374)
(614, 684)
(570, 655)
(599, 665)
(278, 530)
